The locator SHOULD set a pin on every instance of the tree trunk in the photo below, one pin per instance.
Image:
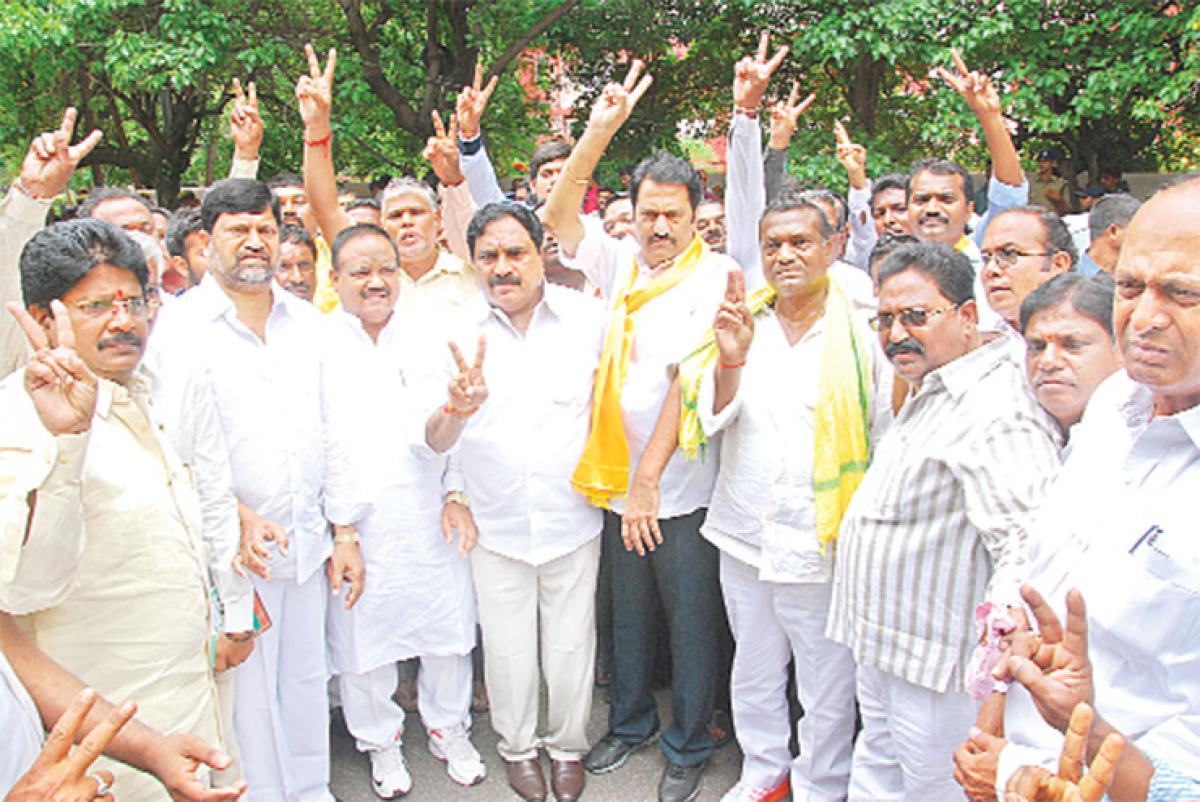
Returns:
(863, 92)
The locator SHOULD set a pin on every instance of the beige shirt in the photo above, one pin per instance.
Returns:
(20, 218)
(437, 295)
(112, 573)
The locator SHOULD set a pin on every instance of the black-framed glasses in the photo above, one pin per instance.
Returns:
(909, 318)
(1007, 257)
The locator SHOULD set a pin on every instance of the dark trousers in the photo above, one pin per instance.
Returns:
(679, 581)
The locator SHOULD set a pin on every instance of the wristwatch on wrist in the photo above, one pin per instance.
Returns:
(459, 496)
(345, 537)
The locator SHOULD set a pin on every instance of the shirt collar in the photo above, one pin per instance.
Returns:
(481, 311)
(1137, 410)
(447, 264)
(109, 392)
(960, 375)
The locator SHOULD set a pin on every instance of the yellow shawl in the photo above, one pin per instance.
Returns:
(603, 470)
(841, 429)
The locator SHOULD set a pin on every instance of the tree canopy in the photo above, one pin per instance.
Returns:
(1112, 81)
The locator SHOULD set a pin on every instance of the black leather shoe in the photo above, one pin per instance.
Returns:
(680, 783)
(610, 752)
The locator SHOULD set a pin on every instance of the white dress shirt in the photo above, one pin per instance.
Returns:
(667, 329)
(517, 453)
(762, 507)
(21, 725)
(20, 218)
(1119, 524)
(273, 412)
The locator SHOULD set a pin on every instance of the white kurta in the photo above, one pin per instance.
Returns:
(419, 598)
(21, 726)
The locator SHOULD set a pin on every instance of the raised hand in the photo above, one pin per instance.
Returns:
(441, 151)
(467, 389)
(62, 386)
(60, 775)
(472, 102)
(752, 74)
(785, 116)
(852, 157)
(617, 101)
(52, 158)
(245, 124)
(314, 93)
(1071, 784)
(1053, 664)
(974, 87)
(734, 326)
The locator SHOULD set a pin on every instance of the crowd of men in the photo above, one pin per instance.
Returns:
(928, 465)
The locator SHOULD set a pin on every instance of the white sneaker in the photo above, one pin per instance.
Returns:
(744, 792)
(453, 747)
(389, 773)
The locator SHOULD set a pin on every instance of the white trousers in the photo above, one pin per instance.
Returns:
(281, 712)
(517, 601)
(906, 747)
(773, 622)
(376, 721)
(226, 692)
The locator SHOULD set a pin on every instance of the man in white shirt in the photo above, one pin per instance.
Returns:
(1119, 523)
(939, 525)
(772, 391)
(519, 421)
(663, 286)
(266, 353)
(420, 601)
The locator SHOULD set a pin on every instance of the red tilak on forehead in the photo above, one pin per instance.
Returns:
(120, 294)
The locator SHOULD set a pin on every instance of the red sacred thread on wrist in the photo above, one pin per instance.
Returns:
(728, 366)
(320, 142)
(449, 410)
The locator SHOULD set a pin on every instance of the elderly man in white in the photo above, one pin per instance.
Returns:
(519, 432)
(420, 601)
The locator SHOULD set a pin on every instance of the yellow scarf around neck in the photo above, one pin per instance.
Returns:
(841, 425)
(603, 470)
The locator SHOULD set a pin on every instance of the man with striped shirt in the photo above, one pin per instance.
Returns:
(938, 525)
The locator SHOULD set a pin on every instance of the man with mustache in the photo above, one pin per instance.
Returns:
(266, 353)
(519, 422)
(710, 223)
(399, 617)
(106, 559)
(1118, 529)
(297, 271)
(434, 282)
(939, 525)
(296, 210)
(663, 286)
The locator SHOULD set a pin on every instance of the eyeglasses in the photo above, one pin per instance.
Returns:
(1007, 257)
(909, 318)
(102, 307)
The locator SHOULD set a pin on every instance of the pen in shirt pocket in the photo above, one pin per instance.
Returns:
(1150, 534)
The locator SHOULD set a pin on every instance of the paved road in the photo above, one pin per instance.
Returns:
(637, 781)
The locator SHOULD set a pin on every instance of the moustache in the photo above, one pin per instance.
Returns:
(120, 338)
(511, 280)
(373, 292)
(909, 346)
(937, 217)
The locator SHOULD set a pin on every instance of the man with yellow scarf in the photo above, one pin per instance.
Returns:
(663, 286)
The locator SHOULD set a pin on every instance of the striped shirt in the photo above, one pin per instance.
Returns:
(940, 521)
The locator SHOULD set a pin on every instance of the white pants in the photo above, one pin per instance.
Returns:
(282, 712)
(376, 721)
(226, 685)
(771, 623)
(906, 747)
(517, 601)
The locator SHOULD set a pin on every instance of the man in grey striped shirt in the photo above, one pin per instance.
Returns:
(938, 525)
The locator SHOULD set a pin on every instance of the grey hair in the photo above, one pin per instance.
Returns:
(1112, 210)
(406, 185)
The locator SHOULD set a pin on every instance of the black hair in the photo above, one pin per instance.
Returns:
(941, 167)
(298, 235)
(286, 180)
(1090, 296)
(950, 270)
(496, 211)
(183, 223)
(823, 196)
(1112, 210)
(546, 153)
(795, 201)
(236, 196)
(99, 195)
(890, 181)
(363, 203)
(617, 196)
(1058, 236)
(57, 258)
(889, 243)
(348, 235)
(663, 168)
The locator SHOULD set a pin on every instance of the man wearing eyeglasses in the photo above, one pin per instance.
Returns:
(937, 526)
(1023, 248)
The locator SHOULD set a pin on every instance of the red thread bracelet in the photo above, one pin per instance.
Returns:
(449, 410)
(320, 142)
(727, 366)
